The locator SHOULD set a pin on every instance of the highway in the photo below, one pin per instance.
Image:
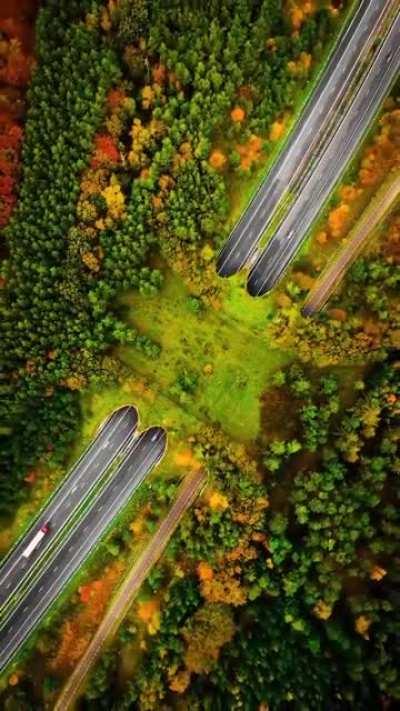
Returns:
(67, 498)
(309, 134)
(141, 455)
(188, 491)
(332, 276)
(291, 234)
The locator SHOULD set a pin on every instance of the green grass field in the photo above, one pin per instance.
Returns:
(225, 353)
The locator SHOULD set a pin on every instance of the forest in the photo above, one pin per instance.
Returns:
(132, 135)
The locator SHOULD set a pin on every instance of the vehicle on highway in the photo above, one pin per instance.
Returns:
(36, 540)
(142, 454)
(87, 474)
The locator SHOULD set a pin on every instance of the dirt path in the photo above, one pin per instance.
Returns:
(332, 276)
(188, 491)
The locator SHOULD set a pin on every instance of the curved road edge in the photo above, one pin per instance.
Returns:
(145, 453)
(187, 493)
(66, 500)
(308, 134)
(291, 235)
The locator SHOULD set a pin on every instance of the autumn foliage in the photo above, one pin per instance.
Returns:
(302, 65)
(250, 152)
(77, 631)
(379, 157)
(105, 152)
(10, 143)
(277, 130)
(16, 63)
(238, 114)
(205, 634)
(16, 67)
(148, 612)
(299, 11)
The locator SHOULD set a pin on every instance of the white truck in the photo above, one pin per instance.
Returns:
(42, 532)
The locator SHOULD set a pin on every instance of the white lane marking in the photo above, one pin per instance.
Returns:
(333, 151)
(64, 487)
(315, 111)
(97, 532)
(88, 463)
(10, 570)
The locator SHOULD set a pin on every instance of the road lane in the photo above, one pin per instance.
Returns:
(141, 456)
(337, 267)
(309, 133)
(85, 474)
(290, 235)
(187, 493)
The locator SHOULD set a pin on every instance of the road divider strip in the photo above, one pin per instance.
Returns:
(288, 240)
(187, 493)
(331, 89)
(63, 483)
(47, 552)
(152, 451)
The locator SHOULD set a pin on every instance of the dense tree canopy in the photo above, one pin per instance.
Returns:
(279, 588)
(124, 112)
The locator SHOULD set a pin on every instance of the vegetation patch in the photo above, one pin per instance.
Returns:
(149, 126)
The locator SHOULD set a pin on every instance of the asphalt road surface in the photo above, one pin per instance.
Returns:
(309, 134)
(140, 457)
(188, 491)
(290, 235)
(85, 474)
(332, 276)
